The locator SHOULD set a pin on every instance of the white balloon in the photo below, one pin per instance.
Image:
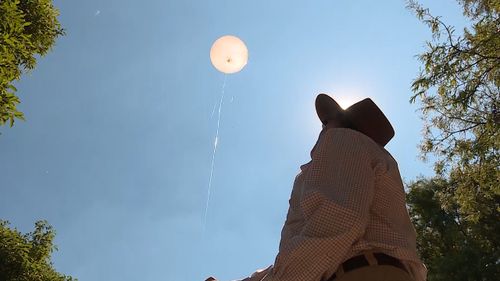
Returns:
(229, 54)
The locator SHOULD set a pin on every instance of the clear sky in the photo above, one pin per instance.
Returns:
(116, 149)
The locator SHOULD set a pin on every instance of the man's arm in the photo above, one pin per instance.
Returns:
(259, 275)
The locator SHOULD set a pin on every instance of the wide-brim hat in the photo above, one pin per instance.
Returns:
(364, 116)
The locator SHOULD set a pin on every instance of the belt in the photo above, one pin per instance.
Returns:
(361, 261)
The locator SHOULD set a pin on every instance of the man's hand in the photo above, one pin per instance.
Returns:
(259, 275)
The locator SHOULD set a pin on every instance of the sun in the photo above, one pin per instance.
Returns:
(346, 100)
(347, 95)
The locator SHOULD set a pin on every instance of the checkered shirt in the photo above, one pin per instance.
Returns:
(348, 199)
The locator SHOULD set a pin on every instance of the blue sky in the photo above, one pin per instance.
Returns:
(116, 149)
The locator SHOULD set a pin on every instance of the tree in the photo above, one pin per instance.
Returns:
(451, 246)
(459, 86)
(26, 257)
(28, 28)
(458, 89)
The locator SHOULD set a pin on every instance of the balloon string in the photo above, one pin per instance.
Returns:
(213, 154)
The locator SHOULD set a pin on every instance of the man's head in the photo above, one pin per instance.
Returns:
(363, 116)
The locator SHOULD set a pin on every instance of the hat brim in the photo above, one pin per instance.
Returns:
(364, 116)
(371, 121)
(327, 108)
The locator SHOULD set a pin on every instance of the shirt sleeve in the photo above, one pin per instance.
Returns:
(335, 200)
(294, 218)
(258, 275)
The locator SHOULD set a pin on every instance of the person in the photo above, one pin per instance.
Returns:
(347, 218)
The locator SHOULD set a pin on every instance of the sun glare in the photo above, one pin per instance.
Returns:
(346, 100)
(347, 95)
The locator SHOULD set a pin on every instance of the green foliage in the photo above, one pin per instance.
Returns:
(458, 87)
(459, 84)
(26, 257)
(28, 28)
(452, 246)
